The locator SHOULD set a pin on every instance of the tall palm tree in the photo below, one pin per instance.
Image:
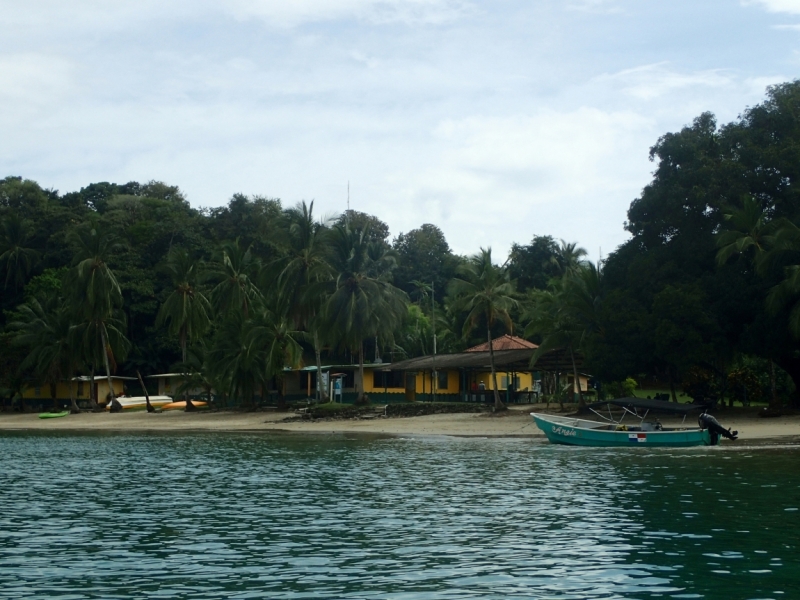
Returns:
(771, 242)
(363, 303)
(749, 229)
(303, 281)
(566, 314)
(275, 338)
(569, 257)
(16, 259)
(45, 329)
(487, 293)
(186, 309)
(235, 362)
(233, 278)
(97, 297)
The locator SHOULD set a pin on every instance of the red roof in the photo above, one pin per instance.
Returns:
(504, 342)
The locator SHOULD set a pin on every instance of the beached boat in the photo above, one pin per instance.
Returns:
(140, 402)
(53, 415)
(610, 431)
(181, 405)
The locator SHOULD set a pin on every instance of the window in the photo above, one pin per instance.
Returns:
(387, 379)
(441, 380)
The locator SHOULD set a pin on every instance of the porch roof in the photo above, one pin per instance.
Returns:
(507, 360)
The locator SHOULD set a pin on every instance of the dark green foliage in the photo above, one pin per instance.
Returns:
(373, 228)
(534, 264)
(714, 234)
(424, 257)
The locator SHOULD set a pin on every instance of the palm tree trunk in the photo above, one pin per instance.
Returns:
(53, 396)
(92, 393)
(497, 403)
(113, 398)
(73, 404)
(671, 384)
(773, 397)
(576, 382)
(189, 406)
(322, 394)
(360, 398)
(146, 395)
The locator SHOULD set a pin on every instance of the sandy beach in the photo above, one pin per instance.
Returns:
(515, 422)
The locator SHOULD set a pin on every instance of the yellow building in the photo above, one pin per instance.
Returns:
(81, 387)
(171, 384)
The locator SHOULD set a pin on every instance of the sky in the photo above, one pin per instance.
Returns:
(495, 121)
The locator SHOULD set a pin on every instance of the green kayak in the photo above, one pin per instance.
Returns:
(53, 415)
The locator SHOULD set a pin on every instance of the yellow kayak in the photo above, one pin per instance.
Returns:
(182, 405)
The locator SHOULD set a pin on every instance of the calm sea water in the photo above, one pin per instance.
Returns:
(256, 516)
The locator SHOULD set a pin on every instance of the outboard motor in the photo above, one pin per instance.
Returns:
(706, 421)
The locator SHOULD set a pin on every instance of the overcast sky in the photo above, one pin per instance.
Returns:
(496, 121)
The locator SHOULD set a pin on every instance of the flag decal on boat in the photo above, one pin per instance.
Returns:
(637, 437)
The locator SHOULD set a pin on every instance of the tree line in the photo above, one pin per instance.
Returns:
(703, 296)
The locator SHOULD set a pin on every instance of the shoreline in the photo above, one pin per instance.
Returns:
(515, 423)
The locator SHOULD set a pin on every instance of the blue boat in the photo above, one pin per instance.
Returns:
(575, 431)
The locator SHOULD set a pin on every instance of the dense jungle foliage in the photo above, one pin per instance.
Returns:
(704, 296)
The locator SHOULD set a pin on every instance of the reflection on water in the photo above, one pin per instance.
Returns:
(255, 516)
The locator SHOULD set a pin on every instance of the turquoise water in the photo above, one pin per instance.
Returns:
(256, 516)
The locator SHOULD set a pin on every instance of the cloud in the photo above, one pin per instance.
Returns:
(34, 78)
(777, 6)
(493, 180)
(121, 15)
(595, 6)
(375, 11)
(648, 82)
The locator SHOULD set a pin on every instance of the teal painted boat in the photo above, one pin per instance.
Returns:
(583, 432)
(53, 415)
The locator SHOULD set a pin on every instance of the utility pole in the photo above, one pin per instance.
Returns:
(433, 323)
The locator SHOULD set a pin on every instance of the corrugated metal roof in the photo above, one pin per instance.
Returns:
(507, 360)
(504, 342)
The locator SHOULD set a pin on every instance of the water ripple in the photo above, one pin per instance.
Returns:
(291, 517)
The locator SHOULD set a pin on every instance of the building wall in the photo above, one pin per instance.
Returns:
(524, 380)
(81, 389)
(169, 386)
(423, 382)
(584, 383)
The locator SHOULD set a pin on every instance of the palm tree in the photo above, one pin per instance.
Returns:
(16, 258)
(96, 297)
(771, 242)
(233, 278)
(487, 293)
(750, 228)
(566, 314)
(305, 275)
(186, 309)
(363, 303)
(45, 329)
(276, 341)
(234, 361)
(569, 257)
